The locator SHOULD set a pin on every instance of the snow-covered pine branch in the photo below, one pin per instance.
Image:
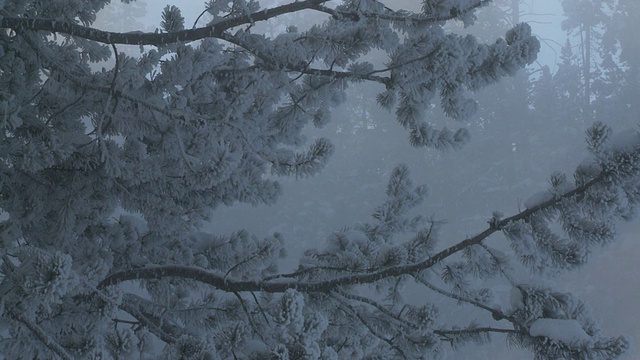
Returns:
(365, 243)
(108, 175)
(174, 35)
(371, 232)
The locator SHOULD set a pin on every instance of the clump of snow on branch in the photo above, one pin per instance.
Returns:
(567, 331)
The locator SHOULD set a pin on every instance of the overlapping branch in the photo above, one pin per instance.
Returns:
(219, 282)
(87, 85)
(157, 39)
(47, 340)
(214, 30)
(395, 16)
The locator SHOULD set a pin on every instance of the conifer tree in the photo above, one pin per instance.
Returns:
(107, 176)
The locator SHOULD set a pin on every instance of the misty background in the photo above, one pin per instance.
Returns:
(527, 128)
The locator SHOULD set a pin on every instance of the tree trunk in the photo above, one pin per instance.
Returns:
(586, 71)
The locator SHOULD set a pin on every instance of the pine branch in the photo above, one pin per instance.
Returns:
(304, 271)
(497, 314)
(374, 331)
(212, 31)
(498, 263)
(130, 322)
(306, 70)
(100, 129)
(479, 330)
(249, 316)
(376, 305)
(204, 276)
(154, 325)
(86, 85)
(398, 17)
(218, 30)
(264, 315)
(157, 39)
(40, 334)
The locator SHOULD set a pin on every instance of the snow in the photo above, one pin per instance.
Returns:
(537, 199)
(516, 299)
(567, 331)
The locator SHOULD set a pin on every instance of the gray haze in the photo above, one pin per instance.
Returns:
(513, 150)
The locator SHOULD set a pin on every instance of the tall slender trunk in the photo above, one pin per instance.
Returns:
(520, 97)
(520, 80)
(586, 73)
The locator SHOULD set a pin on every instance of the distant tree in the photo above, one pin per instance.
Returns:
(620, 83)
(585, 18)
(569, 85)
(505, 131)
(212, 116)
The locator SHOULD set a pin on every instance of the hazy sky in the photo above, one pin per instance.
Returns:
(545, 16)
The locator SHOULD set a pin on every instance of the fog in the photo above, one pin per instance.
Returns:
(527, 128)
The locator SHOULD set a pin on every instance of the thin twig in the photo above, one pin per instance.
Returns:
(130, 322)
(111, 96)
(376, 305)
(308, 270)
(264, 315)
(148, 323)
(373, 331)
(497, 261)
(65, 108)
(249, 316)
(475, 330)
(90, 86)
(497, 314)
(47, 340)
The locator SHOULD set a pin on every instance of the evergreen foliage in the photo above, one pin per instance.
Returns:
(107, 176)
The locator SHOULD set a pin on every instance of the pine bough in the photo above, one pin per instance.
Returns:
(210, 116)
